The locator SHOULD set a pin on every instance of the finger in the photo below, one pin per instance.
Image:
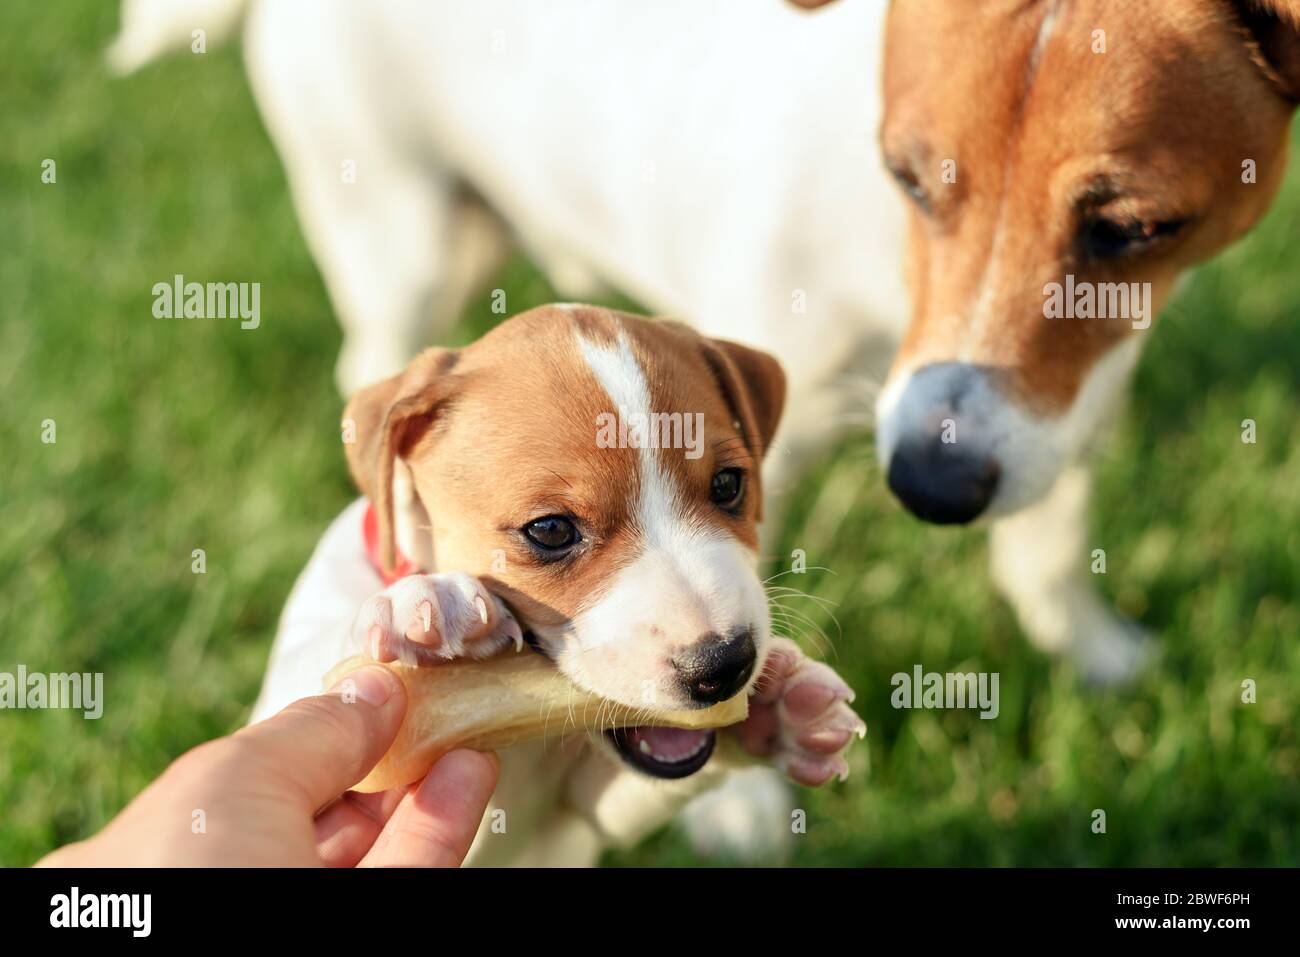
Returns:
(435, 824)
(317, 748)
(347, 828)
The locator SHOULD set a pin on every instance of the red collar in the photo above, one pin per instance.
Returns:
(403, 566)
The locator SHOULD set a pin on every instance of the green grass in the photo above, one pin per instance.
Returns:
(174, 436)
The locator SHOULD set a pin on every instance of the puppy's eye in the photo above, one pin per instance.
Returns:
(728, 488)
(554, 533)
(1102, 238)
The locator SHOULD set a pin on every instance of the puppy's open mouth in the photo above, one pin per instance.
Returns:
(664, 752)
(657, 751)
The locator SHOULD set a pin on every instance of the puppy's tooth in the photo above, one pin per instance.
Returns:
(375, 636)
(426, 612)
(644, 746)
(481, 605)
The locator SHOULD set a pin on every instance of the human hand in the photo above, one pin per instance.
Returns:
(275, 794)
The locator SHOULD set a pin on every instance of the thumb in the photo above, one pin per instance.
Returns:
(321, 746)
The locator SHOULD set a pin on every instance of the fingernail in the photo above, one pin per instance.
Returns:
(468, 764)
(372, 684)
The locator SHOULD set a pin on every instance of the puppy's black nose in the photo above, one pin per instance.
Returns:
(715, 668)
(941, 483)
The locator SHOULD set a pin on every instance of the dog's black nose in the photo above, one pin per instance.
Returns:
(715, 668)
(940, 482)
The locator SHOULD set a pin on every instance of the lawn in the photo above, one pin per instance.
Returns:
(175, 435)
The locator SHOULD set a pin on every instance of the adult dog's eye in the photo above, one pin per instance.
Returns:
(1102, 238)
(910, 184)
(554, 533)
(728, 488)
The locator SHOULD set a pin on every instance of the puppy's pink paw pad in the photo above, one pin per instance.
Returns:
(422, 619)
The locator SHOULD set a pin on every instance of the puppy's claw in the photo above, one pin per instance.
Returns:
(845, 718)
(512, 630)
(423, 619)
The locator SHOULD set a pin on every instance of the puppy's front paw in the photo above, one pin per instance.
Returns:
(799, 717)
(424, 619)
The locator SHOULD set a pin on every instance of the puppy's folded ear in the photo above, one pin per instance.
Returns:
(1273, 29)
(382, 422)
(753, 385)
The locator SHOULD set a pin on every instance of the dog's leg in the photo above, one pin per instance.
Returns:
(383, 246)
(622, 805)
(746, 819)
(397, 241)
(1041, 563)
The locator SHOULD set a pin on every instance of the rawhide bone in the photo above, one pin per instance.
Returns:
(504, 700)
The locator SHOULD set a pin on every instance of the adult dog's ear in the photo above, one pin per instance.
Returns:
(1273, 29)
(754, 387)
(382, 422)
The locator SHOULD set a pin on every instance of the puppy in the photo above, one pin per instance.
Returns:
(588, 482)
